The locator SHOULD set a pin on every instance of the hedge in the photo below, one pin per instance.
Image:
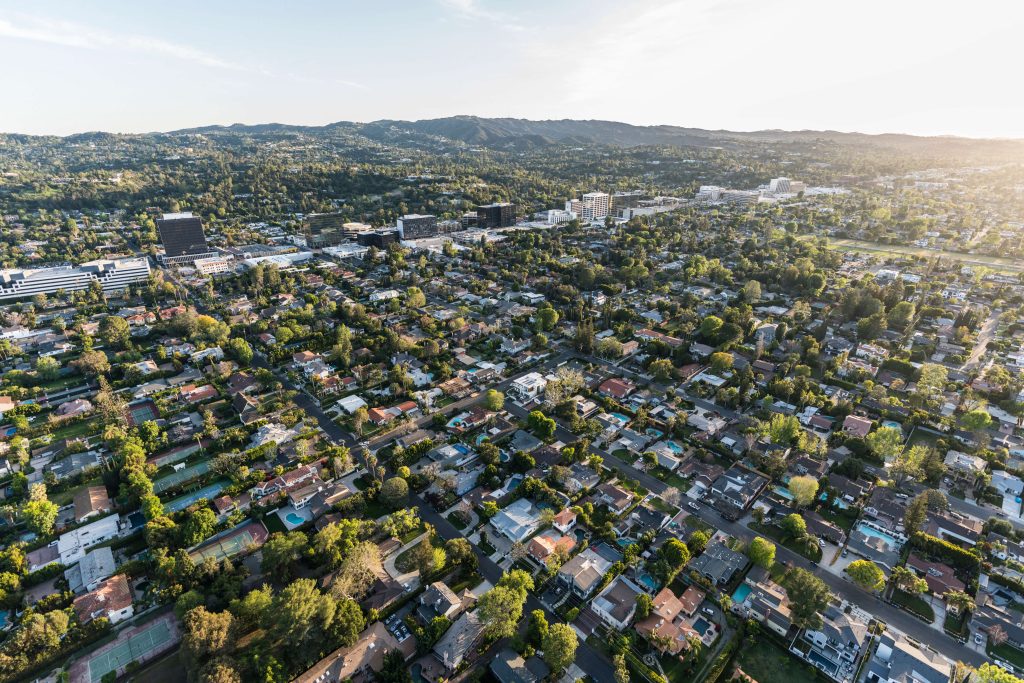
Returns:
(954, 554)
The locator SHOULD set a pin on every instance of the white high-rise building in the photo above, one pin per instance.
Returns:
(594, 206)
(112, 276)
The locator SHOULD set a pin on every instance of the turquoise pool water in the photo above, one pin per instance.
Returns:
(740, 594)
(648, 582)
(784, 492)
(875, 533)
(295, 519)
(620, 417)
(4, 618)
(701, 626)
(893, 424)
(674, 447)
(836, 502)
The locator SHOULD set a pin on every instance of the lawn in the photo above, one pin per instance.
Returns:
(404, 561)
(1007, 653)
(75, 429)
(274, 524)
(767, 663)
(914, 604)
(956, 624)
(457, 521)
(486, 547)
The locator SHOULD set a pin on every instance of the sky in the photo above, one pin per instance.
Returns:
(895, 66)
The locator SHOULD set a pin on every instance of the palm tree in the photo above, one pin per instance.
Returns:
(959, 602)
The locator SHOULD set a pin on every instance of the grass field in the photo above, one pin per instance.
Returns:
(767, 663)
(999, 263)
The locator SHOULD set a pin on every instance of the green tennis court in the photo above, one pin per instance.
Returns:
(188, 474)
(142, 412)
(123, 654)
(231, 542)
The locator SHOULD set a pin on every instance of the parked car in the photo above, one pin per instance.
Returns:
(693, 506)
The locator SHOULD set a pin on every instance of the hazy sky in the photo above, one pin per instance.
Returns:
(926, 67)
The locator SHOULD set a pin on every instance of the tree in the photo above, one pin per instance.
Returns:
(40, 515)
(538, 628)
(907, 463)
(808, 595)
(907, 580)
(547, 318)
(428, 559)
(804, 489)
(621, 670)
(335, 541)
(358, 571)
(414, 298)
(500, 610)
(886, 443)
(494, 400)
(48, 368)
(461, 554)
(359, 419)
(541, 425)
(931, 382)
(710, 326)
(785, 430)
(206, 635)
(959, 602)
(518, 580)
(866, 574)
(199, 526)
(761, 552)
(560, 646)
(662, 369)
(794, 526)
(609, 347)
(114, 331)
(240, 350)
(394, 669)
(914, 515)
(976, 421)
(394, 493)
(644, 604)
(281, 552)
(721, 361)
(990, 673)
(92, 363)
(751, 291)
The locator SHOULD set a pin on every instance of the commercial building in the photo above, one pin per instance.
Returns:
(112, 275)
(212, 265)
(415, 226)
(621, 201)
(594, 206)
(183, 238)
(498, 215)
(324, 230)
(378, 238)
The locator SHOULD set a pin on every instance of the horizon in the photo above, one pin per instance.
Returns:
(926, 70)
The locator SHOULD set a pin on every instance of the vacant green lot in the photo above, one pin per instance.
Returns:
(768, 663)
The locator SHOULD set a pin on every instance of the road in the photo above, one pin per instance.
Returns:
(987, 333)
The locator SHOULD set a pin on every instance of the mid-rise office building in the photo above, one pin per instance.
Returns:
(378, 238)
(183, 238)
(626, 200)
(324, 229)
(594, 207)
(112, 276)
(414, 226)
(497, 215)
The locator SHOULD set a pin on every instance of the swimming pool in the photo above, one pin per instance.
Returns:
(295, 519)
(620, 417)
(836, 502)
(648, 581)
(740, 594)
(701, 626)
(824, 664)
(893, 424)
(674, 447)
(784, 492)
(875, 533)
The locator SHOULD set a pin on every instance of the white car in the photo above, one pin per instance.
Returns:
(693, 506)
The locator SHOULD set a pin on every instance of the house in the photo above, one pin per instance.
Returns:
(564, 520)
(953, 527)
(510, 667)
(834, 647)
(286, 481)
(897, 660)
(111, 599)
(765, 601)
(350, 404)
(356, 662)
(527, 387)
(616, 604)
(737, 488)
(438, 600)
(615, 497)
(706, 421)
(583, 573)
(549, 545)
(247, 407)
(456, 388)
(69, 409)
(518, 521)
(90, 502)
(822, 528)
(718, 564)
(581, 478)
(617, 388)
(941, 578)
(689, 601)
(72, 545)
(190, 393)
(964, 466)
(459, 640)
(94, 568)
(857, 425)
(661, 626)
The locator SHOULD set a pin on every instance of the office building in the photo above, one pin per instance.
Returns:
(468, 220)
(111, 275)
(626, 200)
(555, 216)
(594, 207)
(498, 215)
(779, 185)
(378, 238)
(212, 265)
(414, 226)
(183, 238)
(324, 229)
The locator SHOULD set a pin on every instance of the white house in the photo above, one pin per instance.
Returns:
(72, 546)
(527, 387)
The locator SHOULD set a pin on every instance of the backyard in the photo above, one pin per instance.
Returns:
(767, 663)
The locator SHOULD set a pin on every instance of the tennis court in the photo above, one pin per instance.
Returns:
(177, 478)
(231, 542)
(174, 455)
(142, 412)
(135, 647)
(182, 502)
